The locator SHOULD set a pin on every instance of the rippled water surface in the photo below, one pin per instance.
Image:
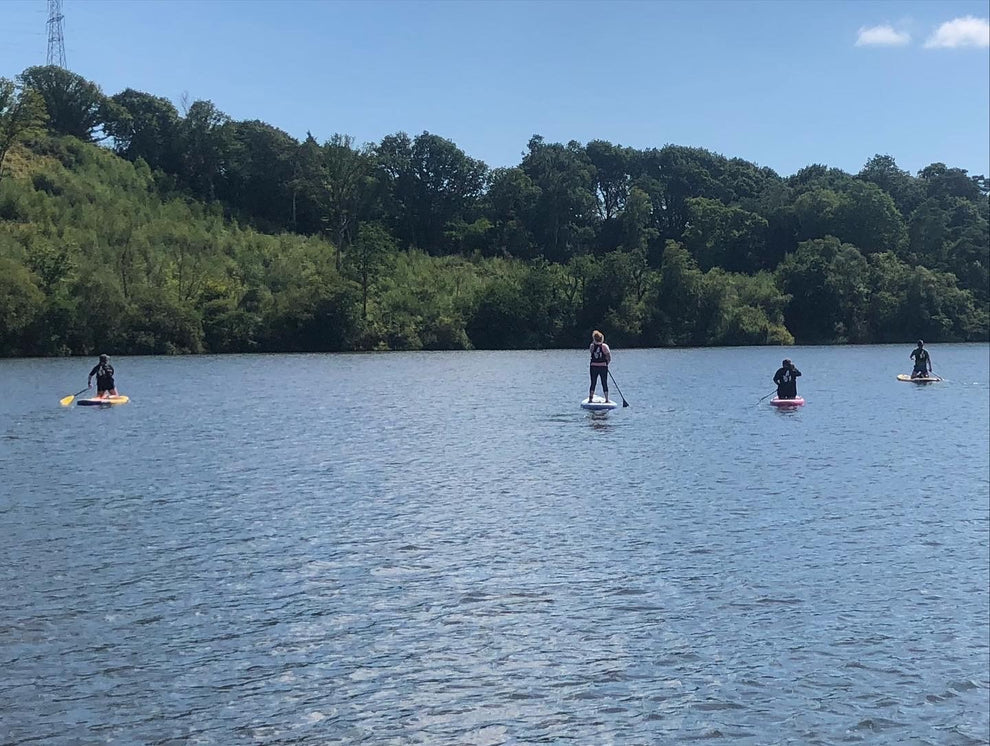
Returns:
(442, 548)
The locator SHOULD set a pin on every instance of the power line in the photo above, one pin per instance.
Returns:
(56, 40)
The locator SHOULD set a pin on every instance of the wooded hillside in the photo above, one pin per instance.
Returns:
(129, 227)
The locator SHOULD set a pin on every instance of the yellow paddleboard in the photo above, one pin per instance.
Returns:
(103, 401)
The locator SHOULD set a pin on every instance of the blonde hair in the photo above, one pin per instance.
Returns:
(598, 336)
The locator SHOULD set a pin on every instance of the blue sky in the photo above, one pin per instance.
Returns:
(783, 84)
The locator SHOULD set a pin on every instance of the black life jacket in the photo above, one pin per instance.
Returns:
(104, 372)
(597, 353)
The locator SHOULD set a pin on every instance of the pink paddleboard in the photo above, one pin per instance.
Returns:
(796, 402)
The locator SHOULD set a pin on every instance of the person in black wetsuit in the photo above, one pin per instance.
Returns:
(922, 361)
(103, 371)
(786, 380)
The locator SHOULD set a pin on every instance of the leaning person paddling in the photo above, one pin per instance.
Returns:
(105, 385)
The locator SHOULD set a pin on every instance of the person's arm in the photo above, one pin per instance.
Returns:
(776, 378)
(89, 381)
(795, 371)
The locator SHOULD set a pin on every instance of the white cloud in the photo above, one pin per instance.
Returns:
(961, 32)
(882, 36)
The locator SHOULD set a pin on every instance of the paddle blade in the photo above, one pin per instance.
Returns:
(625, 403)
(67, 400)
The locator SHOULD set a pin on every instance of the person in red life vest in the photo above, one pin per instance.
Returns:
(601, 356)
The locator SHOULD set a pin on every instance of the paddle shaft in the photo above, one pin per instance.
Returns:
(624, 402)
(66, 400)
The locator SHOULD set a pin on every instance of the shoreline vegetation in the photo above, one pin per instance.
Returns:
(128, 227)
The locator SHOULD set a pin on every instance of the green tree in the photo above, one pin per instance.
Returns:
(101, 313)
(74, 105)
(909, 302)
(757, 313)
(612, 298)
(564, 219)
(467, 238)
(307, 186)
(423, 302)
(228, 326)
(21, 302)
(612, 164)
(906, 191)
(944, 183)
(828, 282)
(431, 183)
(817, 212)
(928, 229)
(157, 324)
(498, 316)
(318, 316)
(22, 114)
(870, 220)
(673, 302)
(951, 235)
(349, 189)
(819, 176)
(510, 203)
(721, 236)
(967, 249)
(682, 173)
(206, 141)
(368, 255)
(144, 126)
(863, 215)
(636, 222)
(521, 308)
(258, 172)
(50, 261)
(746, 183)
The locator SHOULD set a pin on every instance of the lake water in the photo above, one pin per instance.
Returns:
(442, 548)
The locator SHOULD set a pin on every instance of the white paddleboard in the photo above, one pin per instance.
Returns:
(598, 404)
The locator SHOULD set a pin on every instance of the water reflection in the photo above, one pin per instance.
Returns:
(599, 421)
(788, 411)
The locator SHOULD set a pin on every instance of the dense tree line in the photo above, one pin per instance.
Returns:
(126, 225)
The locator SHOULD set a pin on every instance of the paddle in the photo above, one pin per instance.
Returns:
(67, 400)
(624, 402)
(770, 394)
